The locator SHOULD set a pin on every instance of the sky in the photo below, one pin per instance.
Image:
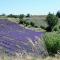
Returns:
(34, 7)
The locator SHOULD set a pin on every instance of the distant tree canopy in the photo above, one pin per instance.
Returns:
(28, 15)
(21, 21)
(12, 16)
(21, 16)
(51, 20)
(58, 14)
(3, 14)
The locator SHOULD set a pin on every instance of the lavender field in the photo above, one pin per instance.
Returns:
(16, 40)
(29, 30)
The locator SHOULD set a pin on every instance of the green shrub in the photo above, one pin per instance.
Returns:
(24, 22)
(52, 41)
(27, 23)
(42, 27)
(36, 26)
(56, 28)
(21, 22)
(59, 27)
(32, 24)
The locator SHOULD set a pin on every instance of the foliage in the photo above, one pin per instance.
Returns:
(52, 41)
(58, 14)
(24, 22)
(43, 27)
(21, 22)
(21, 16)
(3, 14)
(32, 24)
(27, 23)
(56, 28)
(12, 16)
(51, 20)
(28, 15)
(36, 26)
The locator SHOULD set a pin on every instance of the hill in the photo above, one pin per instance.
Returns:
(15, 39)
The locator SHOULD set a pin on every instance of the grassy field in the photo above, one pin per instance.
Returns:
(28, 58)
(38, 20)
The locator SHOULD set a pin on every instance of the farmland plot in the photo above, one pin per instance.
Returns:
(15, 39)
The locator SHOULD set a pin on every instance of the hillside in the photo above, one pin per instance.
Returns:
(37, 19)
(15, 39)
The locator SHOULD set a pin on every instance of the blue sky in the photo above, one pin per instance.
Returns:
(34, 7)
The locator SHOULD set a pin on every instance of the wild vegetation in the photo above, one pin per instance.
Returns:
(51, 20)
(51, 29)
(52, 41)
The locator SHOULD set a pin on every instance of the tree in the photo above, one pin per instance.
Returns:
(21, 16)
(3, 14)
(28, 15)
(51, 20)
(12, 16)
(58, 14)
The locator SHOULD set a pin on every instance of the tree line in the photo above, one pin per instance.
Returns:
(51, 20)
(16, 16)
